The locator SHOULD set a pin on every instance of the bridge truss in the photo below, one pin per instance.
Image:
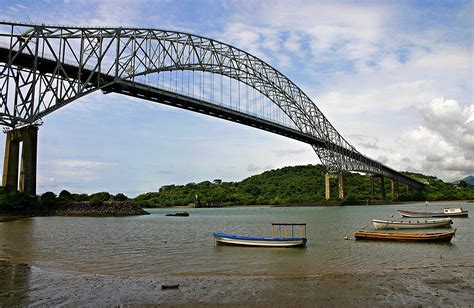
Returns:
(43, 68)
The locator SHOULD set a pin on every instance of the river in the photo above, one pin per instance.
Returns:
(158, 245)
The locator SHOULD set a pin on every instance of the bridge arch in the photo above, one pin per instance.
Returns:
(50, 66)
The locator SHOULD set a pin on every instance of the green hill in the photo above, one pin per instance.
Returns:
(299, 184)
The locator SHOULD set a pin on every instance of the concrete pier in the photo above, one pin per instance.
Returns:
(29, 136)
(340, 181)
(394, 189)
(382, 186)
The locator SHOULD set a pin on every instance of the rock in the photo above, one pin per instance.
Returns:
(108, 208)
(182, 214)
(170, 286)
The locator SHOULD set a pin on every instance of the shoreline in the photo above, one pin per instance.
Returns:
(435, 286)
(322, 204)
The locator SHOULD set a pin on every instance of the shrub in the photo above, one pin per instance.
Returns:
(99, 198)
(48, 198)
(64, 194)
(18, 200)
(80, 197)
(120, 197)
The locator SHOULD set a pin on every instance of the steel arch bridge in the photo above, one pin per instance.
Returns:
(43, 68)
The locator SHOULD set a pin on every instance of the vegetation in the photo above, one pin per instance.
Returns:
(289, 185)
(300, 184)
(11, 201)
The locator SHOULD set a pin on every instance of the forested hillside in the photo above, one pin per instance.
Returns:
(300, 184)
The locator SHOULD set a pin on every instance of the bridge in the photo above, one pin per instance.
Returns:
(43, 68)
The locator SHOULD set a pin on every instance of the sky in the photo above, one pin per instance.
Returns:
(395, 78)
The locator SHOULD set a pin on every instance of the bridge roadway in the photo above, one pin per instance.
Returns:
(178, 100)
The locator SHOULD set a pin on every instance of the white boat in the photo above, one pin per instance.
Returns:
(285, 238)
(447, 212)
(412, 223)
(231, 239)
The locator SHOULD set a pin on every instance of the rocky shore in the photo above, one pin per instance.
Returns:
(108, 208)
(84, 208)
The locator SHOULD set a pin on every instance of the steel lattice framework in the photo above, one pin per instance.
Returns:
(43, 68)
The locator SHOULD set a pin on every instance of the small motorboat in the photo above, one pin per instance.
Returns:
(412, 223)
(447, 212)
(285, 238)
(412, 237)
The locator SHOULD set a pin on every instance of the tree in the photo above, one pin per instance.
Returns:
(66, 195)
(120, 197)
(48, 198)
(99, 198)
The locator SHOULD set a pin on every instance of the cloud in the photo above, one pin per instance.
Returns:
(382, 159)
(289, 152)
(65, 170)
(443, 143)
(451, 122)
(254, 168)
(365, 141)
(75, 163)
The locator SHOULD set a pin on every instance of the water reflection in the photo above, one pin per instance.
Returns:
(14, 280)
(16, 242)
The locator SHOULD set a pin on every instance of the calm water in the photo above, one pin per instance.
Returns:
(161, 245)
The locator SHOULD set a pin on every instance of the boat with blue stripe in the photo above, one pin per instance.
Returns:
(285, 237)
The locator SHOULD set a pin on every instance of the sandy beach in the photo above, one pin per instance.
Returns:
(440, 286)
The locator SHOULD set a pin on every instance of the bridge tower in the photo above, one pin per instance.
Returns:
(29, 136)
(340, 181)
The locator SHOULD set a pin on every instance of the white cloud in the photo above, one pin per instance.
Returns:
(390, 97)
(55, 172)
(443, 144)
(76, 163)
(253, 168)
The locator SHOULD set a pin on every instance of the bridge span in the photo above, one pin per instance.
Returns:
(43, 68)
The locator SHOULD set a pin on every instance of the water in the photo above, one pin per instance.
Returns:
(159, 245)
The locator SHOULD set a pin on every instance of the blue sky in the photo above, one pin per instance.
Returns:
(394, 77)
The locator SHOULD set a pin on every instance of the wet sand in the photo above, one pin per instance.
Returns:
(439, 286)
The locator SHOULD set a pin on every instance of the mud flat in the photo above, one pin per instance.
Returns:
(441, 286)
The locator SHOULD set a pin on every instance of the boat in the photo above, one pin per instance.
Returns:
(412, 237)
(412, 223)
(285, 237)
(447, 212)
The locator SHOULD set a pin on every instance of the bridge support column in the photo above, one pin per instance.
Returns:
(372, 185)
(340, 181)
(29, 136)
(382, 183)
(394, 189)
(11, 159)
(328, 186)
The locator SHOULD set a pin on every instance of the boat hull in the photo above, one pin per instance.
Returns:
(415, 237)
(412, 214)
(230, 239)
(411, 224)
